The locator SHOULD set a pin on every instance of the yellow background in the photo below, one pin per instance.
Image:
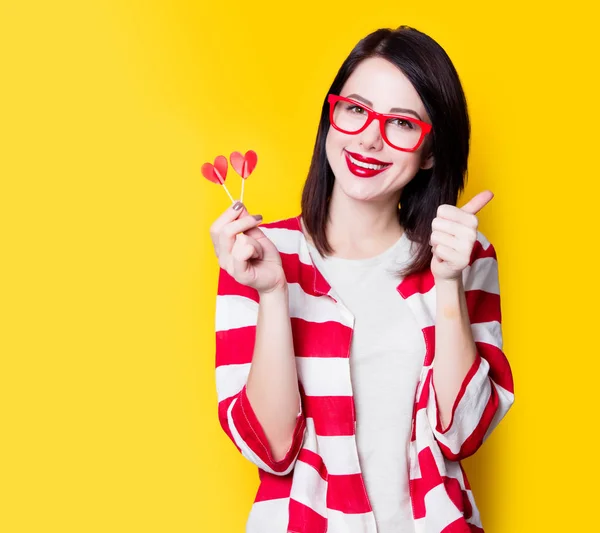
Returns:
(108, 109)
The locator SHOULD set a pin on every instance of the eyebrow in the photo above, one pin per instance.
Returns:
(393, 110)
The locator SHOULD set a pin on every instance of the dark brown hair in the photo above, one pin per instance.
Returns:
(427, 66)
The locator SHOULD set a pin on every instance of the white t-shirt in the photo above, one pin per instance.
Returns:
(386, 358)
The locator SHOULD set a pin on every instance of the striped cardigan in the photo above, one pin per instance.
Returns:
(318, 487)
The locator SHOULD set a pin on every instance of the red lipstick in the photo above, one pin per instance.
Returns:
(363, 172)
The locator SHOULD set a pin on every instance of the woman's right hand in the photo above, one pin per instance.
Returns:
(245, 252)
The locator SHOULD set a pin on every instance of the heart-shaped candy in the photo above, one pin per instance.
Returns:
(217, 172)
(244, 165)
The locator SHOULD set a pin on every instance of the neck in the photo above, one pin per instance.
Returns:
(358, 229)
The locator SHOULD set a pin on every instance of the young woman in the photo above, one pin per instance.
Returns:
(359, 344)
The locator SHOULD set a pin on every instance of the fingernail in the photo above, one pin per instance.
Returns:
(257, 217)
(237, 206)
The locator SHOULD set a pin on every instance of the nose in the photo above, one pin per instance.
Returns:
(370, 138)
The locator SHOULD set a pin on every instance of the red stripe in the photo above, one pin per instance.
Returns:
(423, 282)
(235, 346)
(304, 520)
(347, 493)
(287, 223)
(431, 478)
(332, 415)
(307, 276)
(273, 487)
(458, 496)
(223, 408)
(253, 434)
(474, 441)
(228, 286)
(320, 339)
(420, 282)
(314, 460)
(499, 370)
(483, 306)
(311, 339)
(429, 336)
(472, 371)
(478, 252)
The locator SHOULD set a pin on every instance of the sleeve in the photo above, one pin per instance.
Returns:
(235, 325)
(487, 391)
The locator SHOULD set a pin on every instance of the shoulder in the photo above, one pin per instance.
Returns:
(482, 272)
(291, 224)
(482, 248)
(285, 233)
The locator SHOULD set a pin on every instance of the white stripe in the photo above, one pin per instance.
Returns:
(313, 308)
(475, 518)
(506, 399)
(469, 411)
(413, 453)
(310, 436)
(325, 376)
(247, 452)
(482, 274)
(423, 307)
(288, 242)
(483, 240)
(453, 470)
(440, 511)
(309, 488)
(270, 516)
(339, 454)
(231, 379)
(488, 332)
(424, 435)
(338, 522)
(233, 311)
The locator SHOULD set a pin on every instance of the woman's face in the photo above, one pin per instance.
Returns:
(381, 86)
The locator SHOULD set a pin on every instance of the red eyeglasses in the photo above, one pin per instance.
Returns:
(399, 131)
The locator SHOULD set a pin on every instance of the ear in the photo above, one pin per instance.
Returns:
(427, 161)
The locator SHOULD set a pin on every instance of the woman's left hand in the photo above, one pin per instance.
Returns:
(454, 232)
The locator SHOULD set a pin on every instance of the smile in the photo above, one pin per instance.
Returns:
(362, 169)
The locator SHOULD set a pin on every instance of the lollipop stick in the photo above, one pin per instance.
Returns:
(242, 196)
(228, 194)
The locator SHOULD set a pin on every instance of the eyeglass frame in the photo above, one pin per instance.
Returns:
(332, 99)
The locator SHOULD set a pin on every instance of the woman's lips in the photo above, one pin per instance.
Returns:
(362, 172)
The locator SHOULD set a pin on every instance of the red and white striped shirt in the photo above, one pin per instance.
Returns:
(318, 487)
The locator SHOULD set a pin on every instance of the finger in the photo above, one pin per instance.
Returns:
(441, 237)
(451, 212)
(447, 254)
(241, 256)
(232, 213)
(255, 233)
(229, 215)
(246, 248)
(229, 231)
(478, 202)
(453, 228)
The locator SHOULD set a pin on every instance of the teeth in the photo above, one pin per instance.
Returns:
(366, 165)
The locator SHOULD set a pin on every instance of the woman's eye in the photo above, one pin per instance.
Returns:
(402, 123)
(356, 109)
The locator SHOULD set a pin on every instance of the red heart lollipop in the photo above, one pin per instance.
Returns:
(217, 172)
(244, 165)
